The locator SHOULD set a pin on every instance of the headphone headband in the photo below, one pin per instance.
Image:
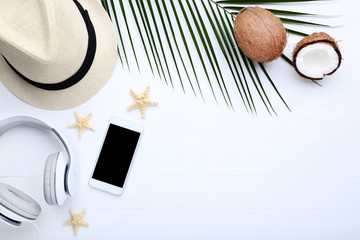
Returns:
(12, 122)
(15, 121)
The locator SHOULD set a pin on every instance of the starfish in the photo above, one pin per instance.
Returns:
(141, 101)
(82, 124)
(76, 220)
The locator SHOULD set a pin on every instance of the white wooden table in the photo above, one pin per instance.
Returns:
(206, 172)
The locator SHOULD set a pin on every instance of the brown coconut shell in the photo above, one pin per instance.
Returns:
(259, 34)
(318, 37)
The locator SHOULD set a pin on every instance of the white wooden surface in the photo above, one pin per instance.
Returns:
(204, 171)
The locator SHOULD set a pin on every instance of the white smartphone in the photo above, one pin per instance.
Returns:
(118, 150)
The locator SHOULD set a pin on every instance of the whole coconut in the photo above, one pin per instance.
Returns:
(260, 34)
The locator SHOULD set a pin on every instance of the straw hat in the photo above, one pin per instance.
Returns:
(56, 54)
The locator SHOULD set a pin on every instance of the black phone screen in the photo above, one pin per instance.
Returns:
(116, 154)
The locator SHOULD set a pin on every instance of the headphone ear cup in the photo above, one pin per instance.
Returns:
(16, 206)
(49, 180)
(54, 179)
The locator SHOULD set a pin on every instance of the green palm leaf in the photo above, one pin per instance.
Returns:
(177, 27)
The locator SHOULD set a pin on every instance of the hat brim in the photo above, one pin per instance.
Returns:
(100, 71)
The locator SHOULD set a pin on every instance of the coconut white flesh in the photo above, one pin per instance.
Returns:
(317, 60)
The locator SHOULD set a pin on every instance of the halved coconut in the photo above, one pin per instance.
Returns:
(316, 55)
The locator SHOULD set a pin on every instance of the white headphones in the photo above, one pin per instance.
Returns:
(59, 178)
